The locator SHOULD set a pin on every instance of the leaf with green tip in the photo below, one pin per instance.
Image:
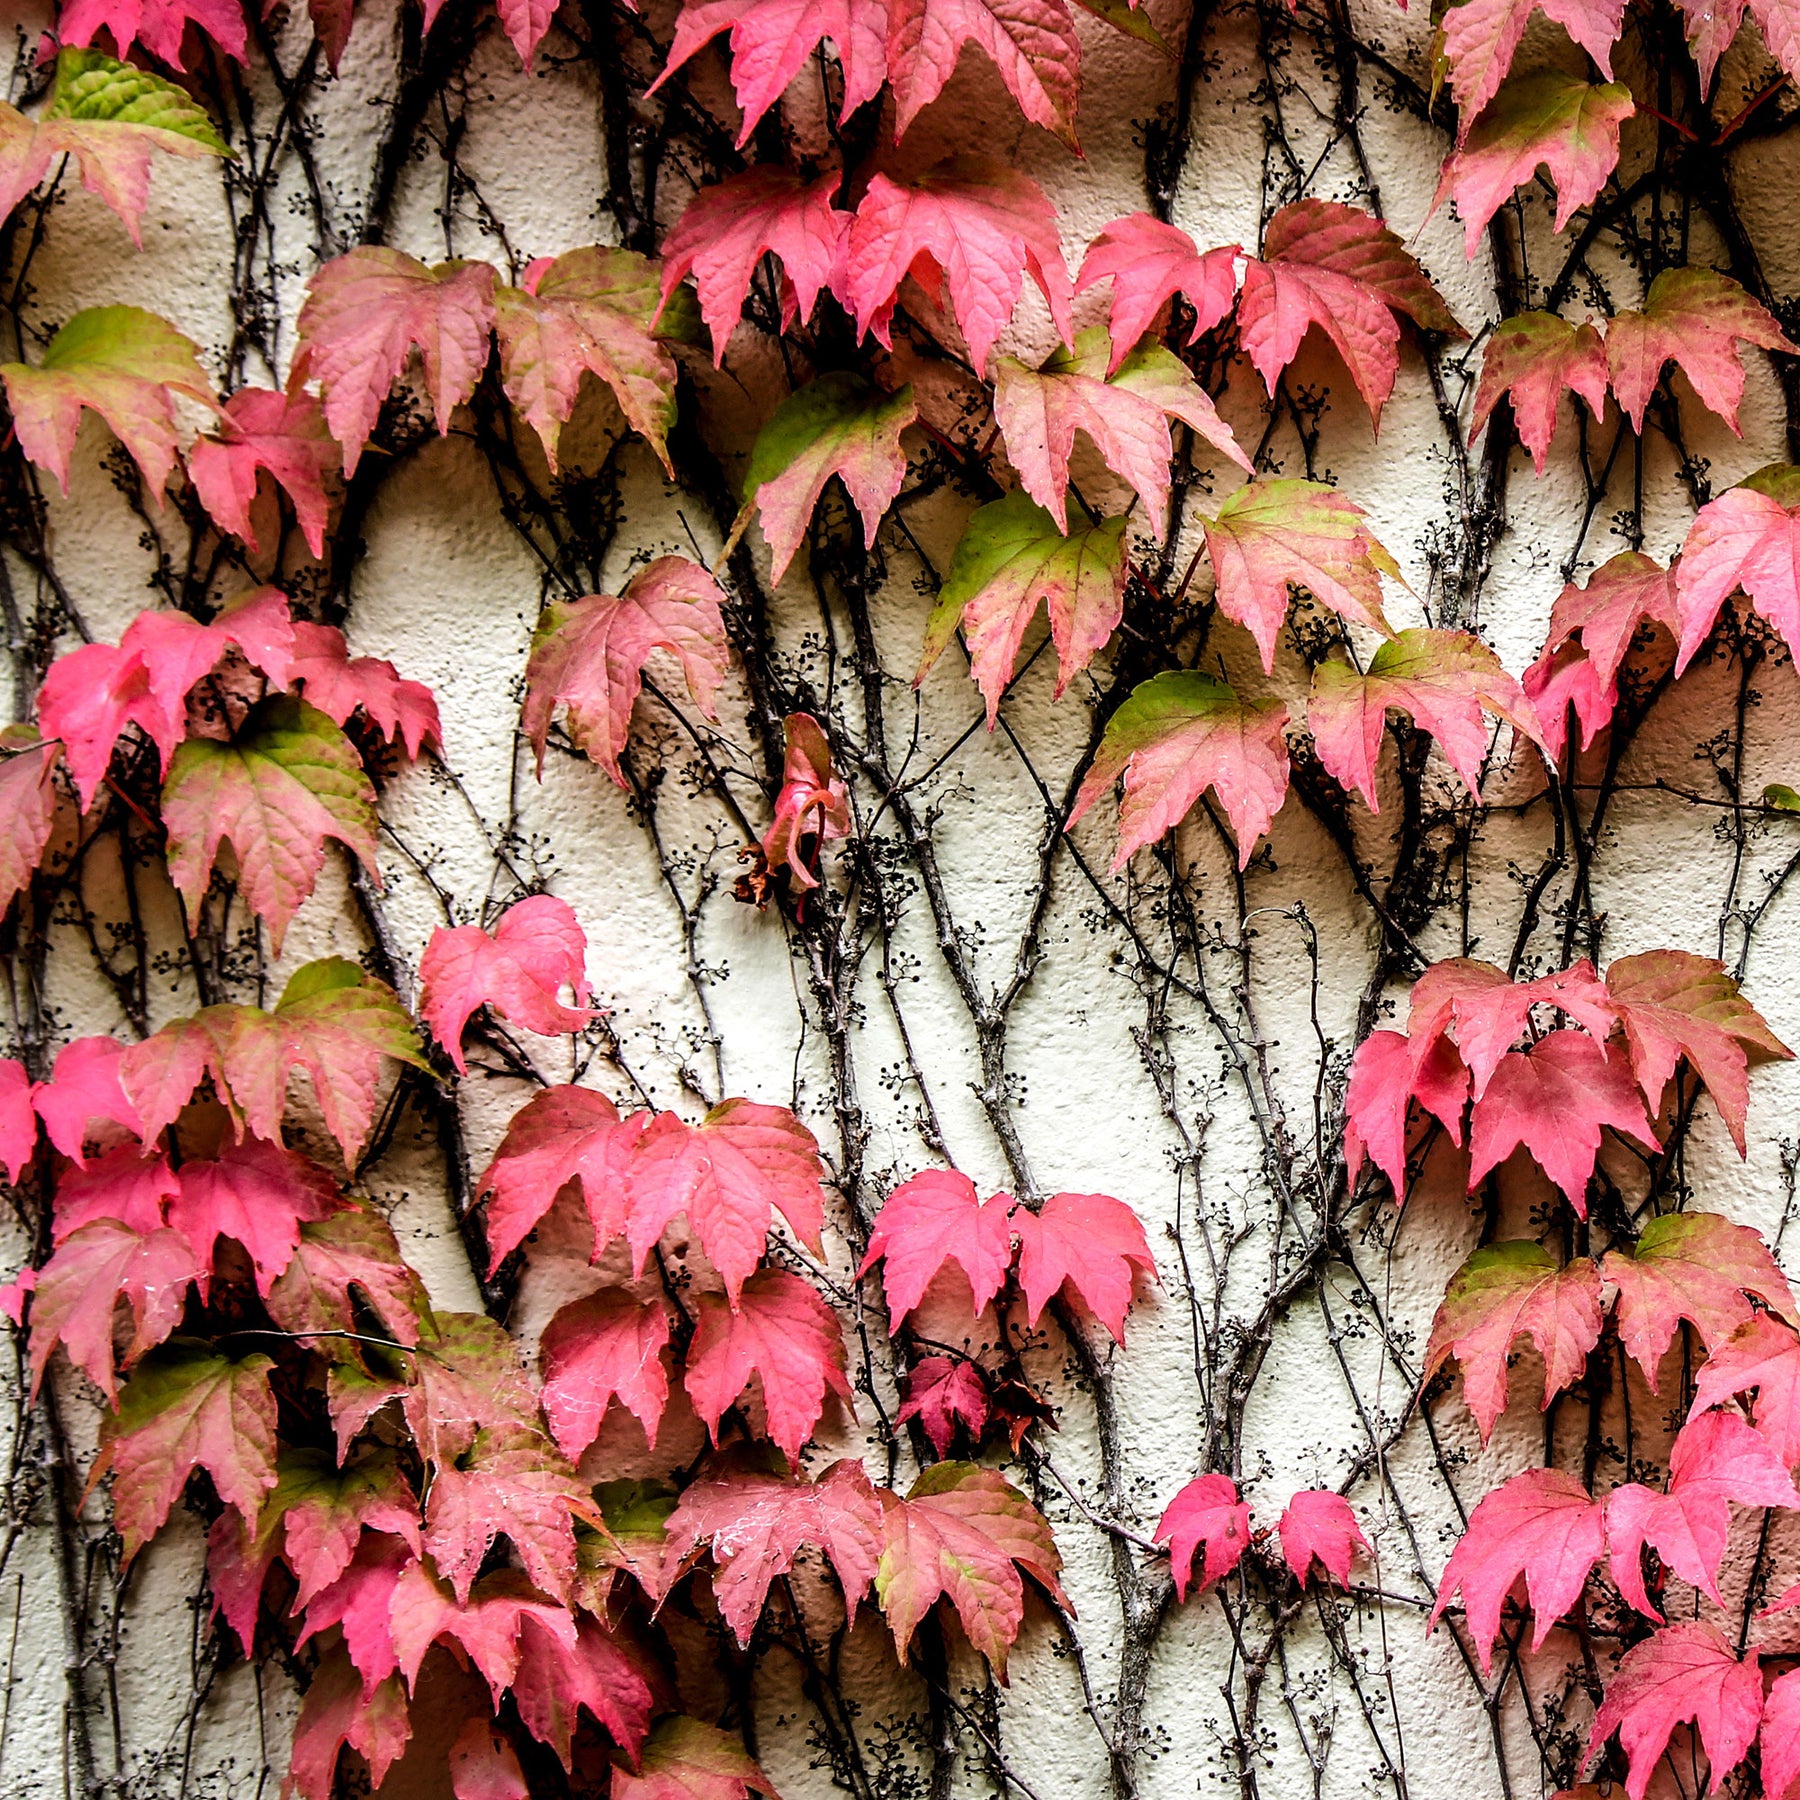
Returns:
(1155, 373)
(838, 425)
(1010, 557)
(121, 362)
(1177, 735)
(287, 782)
(1282, 532)
(1533, 359)
(1569, 126)
(1482, 36)
(1131, 21)
(683, 1759)
(587, 311)
(1445, 681)
(348, 1259)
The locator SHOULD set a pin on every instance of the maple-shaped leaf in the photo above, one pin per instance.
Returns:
(1781, 1736)
(729, 1174)
(484, 1765)
(1206, 1513)
(339, 684)
(1553, 1100)
(607, 1346)
(123, 1185)
(27, 814)
(333, 1022)
(1716, 1459)
(1484, 1012)
(1149, 261)
(633, 1543)
(186, 1407)
(772, 40)
(756, 1523)
(467, 1379)
(94, 1268)
(1177, 735)
(1446, 682)
(1763, 1355)
(178, 650)
(588, 656)
(285, 783)
(784, 1333)
(518, 969)
(586, 311)
(1681, 1673)
(556, 1681)
(1695, 1266)
(1481, 36)
(1532, 359)
(351, 1257)
(1567, 126)
(1011, 556)
(973, 225)
(1337, 268)
(361, 1603)
(1031, 42)
(84, 1086)
(256, 1193)
(684, 1759)
(265, 429)
(121, 362)
(1563, 684)
(840, 425)
(1607, 613)
(1087, 1246)
(337, 1711)
(1747, 538)
(156, 24)
(942, 1393)
(111, 118)
(1541, 1524)
(728, 228)
(1676, 1005)
(1695, 318)
(18, 1122)
(812, 805)
(512, 1478)
(88, 699)
(561, 1135)
(1318, 1526)
(1282, 532)
(1504, 1292)
(932, 1219)
(365, 312)
(489, 1627)
(963, 1533)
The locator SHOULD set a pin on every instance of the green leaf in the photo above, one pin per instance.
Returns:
(91, 87)
(1782, 797)
(1133, 21)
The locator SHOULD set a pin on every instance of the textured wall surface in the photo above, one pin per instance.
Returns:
(1169, 1053)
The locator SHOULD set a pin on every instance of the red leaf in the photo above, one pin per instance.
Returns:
(728, 228)
(339, 684)
(1744, 539)
(608, 1346)
(1762, 1354)
(943, 1392)
(1387, 1072)
(362, 1602)
(1683, 1672)
(1177, 735)
(1717, 1458)
(1532, 359)
(1558, 681)
(1553, 1099)
(337, 1710)
(1031, 42)
(1148, 262)
(780, 1331)
(537, 949)
(935, 1218)
(728, 1174)
(92, 1270)
(756, 1524)
(122, 1185)
(978, 226)
(484, 1766)
(1480, 37)
(1088, 1243)
(157, 24)
(812, 802)
(1206, 1512)
(1606, 614)
(18, 1123)
(364, 313)
(1485, 1012)
(84, 1086)
(88, 699)
(351, 1250)
(963, 1533)
(27, 813)
(1695, 318)
(468, 1379)
(556, 1680)
(1674, 1005)
(263, 428)
(1541, 1524)
(1318, 1526)
(686, 1760)
(257, 1193)
(1694, 1266)
(1781, 1736)
(502, 1609)
(1507, 1291)
(1565, 125)
(589, 655)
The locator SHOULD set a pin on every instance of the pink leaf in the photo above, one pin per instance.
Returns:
(936, 1218)
(1031, 42)
(1762, 1355)
(27, 815)
(1781, 1736)
(1387, 1073)
(557, 1680)
(1318, 1526)
(1207, 1511)
(812, 805)
(1532, 359)
(1481, 36)
(123, 1185)
(608, 1346)
(1088, 1245)
(256, 1193)
(84, 1086)
(1606, 614)
(263, 428)
(157, 24)
(484, 1766)
(1744, 539)
(340, 684)
(1148, 262)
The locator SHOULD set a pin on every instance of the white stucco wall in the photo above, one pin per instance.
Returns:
(449, 592)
